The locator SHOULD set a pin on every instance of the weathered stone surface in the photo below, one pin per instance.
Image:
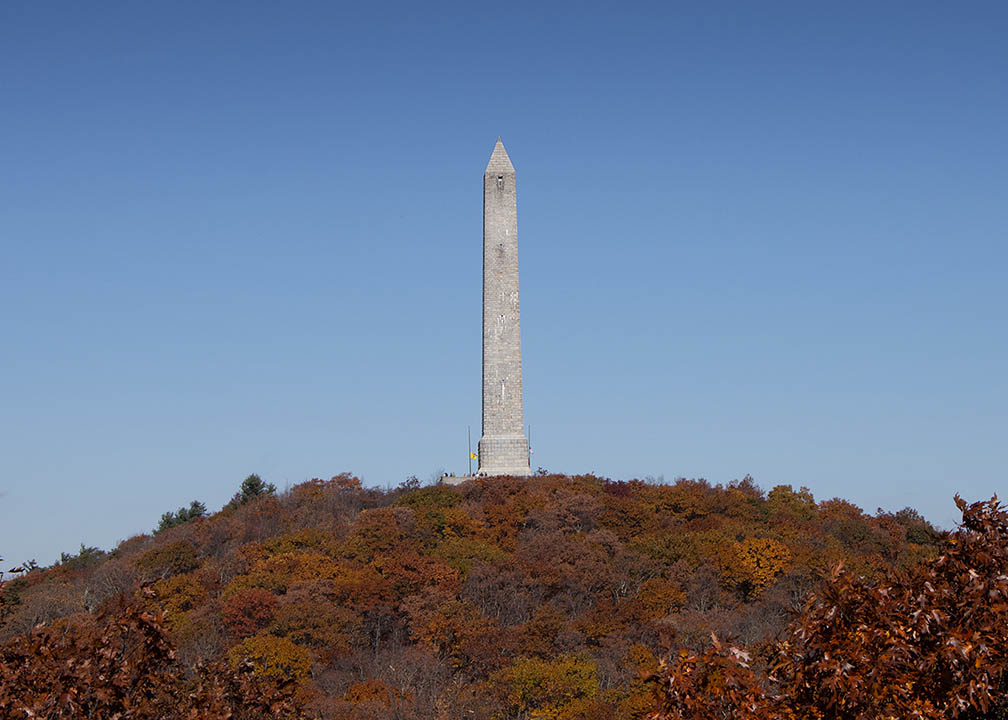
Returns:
(503, 449)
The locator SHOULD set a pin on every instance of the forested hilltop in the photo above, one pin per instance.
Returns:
(549, 597)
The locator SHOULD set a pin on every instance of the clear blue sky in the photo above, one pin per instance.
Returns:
(245, 237)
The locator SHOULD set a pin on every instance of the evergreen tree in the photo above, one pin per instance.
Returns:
(195, 510)
(251, 488)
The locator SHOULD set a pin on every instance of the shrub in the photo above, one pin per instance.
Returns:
(173, 559)
(546, 688)
(178, 595)
(274, 658)
(248, 611)
(752, 564)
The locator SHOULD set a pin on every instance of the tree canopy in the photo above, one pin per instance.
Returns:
(500, 599)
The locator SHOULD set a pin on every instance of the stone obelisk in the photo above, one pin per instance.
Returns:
(503, 449)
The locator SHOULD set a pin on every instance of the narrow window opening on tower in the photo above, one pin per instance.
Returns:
(500, 181)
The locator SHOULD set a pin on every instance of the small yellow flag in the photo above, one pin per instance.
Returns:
(473, 455)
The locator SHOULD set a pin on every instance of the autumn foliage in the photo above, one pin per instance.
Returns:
(122, 665)
(927, 642)
(506, 599)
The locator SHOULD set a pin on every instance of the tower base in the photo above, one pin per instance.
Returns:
(504, 455)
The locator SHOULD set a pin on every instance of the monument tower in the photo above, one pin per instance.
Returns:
(503, 449)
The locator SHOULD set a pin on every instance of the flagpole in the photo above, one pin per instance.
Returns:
(469, 454)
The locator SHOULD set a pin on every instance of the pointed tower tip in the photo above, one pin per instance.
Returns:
(499, 163)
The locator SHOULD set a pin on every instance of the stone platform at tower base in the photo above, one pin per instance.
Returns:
(459, 479)
(456, 479)
(504, 455)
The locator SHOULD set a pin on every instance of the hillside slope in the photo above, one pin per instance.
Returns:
(499, 598)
